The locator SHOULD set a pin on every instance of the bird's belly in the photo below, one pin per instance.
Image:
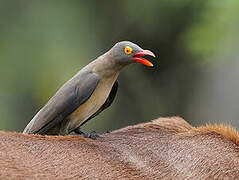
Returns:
(87, 109)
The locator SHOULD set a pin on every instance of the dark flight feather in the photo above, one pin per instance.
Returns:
(64, 102)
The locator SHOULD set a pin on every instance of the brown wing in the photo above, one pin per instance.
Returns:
(66, 100)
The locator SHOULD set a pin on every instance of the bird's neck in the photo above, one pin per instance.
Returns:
(107, 66)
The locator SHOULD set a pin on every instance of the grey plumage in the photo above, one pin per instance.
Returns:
(85, 95)
(75, 92)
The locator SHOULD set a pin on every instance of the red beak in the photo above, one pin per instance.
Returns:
(138, 57)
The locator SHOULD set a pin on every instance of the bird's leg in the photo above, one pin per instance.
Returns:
(78, 131)
(91, 135)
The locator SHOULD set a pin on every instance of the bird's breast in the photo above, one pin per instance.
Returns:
(95, 101)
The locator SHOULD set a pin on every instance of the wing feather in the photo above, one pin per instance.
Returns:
(67, 99)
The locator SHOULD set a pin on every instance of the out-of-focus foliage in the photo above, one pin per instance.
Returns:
(44, 43)
(217, 29)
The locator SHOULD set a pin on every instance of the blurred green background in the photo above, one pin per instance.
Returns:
(44, 43)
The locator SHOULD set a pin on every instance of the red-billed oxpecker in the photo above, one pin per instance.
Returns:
(86, 94)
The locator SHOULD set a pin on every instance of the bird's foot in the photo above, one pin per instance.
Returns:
(91, 135)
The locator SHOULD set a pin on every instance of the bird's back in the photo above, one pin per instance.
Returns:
(66, 100)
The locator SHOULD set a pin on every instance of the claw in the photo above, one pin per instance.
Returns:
(91, 135)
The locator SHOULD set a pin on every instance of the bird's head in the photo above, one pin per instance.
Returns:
(126, 52)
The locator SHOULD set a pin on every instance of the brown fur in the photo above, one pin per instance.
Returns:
(227, 131)
(167, 148)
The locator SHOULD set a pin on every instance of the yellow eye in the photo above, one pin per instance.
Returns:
(128, 50)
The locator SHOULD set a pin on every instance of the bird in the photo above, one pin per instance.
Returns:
(88, 93)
